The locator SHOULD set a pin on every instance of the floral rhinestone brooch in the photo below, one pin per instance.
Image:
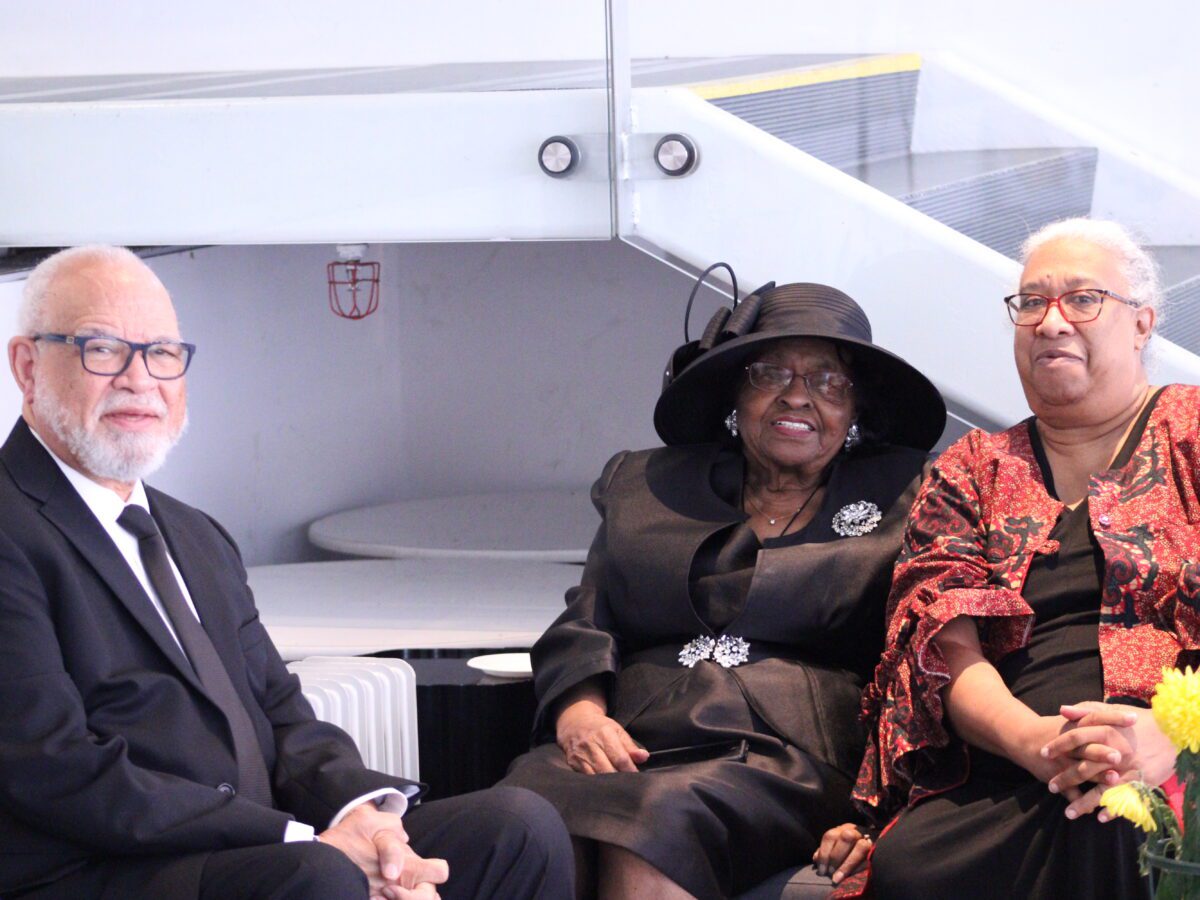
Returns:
(856, 519)
(727, 651)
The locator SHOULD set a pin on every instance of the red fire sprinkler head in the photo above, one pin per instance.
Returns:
(353, 284)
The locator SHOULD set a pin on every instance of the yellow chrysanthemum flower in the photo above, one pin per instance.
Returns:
(1176, 705)
(1126, 801)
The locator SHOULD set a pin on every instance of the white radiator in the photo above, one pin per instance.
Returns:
(372, 700)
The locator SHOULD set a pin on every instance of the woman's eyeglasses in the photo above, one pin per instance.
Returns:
(1076, 307)
(831, 386)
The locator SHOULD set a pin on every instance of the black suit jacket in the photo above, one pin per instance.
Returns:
(108, 743)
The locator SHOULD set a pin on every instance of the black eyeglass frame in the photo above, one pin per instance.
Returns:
(803, 376)
(81, 341)
(1057, 301)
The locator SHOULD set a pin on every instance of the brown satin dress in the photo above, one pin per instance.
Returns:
(718, 827)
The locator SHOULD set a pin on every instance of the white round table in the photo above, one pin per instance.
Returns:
(347, 608)
(548, 526)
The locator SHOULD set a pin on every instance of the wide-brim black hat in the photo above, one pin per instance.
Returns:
(899, 404)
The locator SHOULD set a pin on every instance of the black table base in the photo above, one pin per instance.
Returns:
(470, 726)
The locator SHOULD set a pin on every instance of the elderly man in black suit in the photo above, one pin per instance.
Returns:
(152, 743)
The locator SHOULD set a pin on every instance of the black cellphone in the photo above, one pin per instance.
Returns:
(677, 756)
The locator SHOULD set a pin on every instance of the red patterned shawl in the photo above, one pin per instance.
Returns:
(979, 519)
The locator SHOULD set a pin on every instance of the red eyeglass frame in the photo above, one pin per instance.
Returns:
(1057, 301)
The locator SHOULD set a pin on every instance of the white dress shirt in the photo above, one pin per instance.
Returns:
(106, 505)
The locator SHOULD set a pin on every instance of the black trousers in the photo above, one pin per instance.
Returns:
(500, 843)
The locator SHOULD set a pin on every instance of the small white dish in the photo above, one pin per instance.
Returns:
(503, 665)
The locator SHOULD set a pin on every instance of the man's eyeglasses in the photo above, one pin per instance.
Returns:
(831, 386)
(100, 355)
(1076, 307)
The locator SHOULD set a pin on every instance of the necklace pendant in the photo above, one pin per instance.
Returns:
(772, 521)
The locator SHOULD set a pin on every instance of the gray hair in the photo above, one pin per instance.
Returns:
(1137, 266)
(31, 317)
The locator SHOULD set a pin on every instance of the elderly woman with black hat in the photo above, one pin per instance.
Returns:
(698, 698)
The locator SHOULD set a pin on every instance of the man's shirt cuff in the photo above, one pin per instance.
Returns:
(389, 800)
(298, 831)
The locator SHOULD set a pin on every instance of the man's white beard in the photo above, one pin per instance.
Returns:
(119, 456)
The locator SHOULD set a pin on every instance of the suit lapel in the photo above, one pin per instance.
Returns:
(670, 519)
(39, 476)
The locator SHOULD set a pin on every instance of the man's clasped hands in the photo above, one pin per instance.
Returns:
(378, 844)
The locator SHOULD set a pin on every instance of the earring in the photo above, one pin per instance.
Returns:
(853, 437)
(731, 423)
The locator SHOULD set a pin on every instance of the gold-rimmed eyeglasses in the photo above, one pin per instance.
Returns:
(832, 386)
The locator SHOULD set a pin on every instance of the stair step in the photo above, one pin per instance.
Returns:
(1180, 321)
(840, 111)
(996, 197)
(739, 73)
(712, 77)
(1179, 263)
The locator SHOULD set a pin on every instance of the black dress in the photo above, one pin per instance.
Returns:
(675, 559)
(1002, 833)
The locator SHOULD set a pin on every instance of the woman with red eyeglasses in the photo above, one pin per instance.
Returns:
(1049, 573)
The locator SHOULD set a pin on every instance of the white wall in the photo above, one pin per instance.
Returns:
(10, 397)
(1129, 68)
(487, 366)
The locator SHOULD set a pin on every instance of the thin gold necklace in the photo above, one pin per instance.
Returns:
(793, 516)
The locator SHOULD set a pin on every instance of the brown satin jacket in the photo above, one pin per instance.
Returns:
(813, 616)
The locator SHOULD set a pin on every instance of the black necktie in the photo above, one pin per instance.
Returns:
(253, 781)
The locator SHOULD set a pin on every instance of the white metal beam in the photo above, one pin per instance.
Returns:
(391, 167)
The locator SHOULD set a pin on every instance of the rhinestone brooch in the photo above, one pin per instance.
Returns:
(731, 651)
(695, 650)
(727, 651)
(856, 519)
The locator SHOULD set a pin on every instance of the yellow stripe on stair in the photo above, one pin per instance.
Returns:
(865, 67)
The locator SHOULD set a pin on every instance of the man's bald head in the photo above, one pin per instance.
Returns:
(74, 262)
(98, 300)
